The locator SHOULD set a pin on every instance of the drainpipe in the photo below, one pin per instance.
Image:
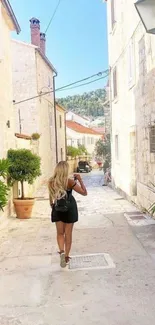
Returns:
(65, 137)
(55, 117)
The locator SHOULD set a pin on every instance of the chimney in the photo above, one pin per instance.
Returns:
(35, 31)
(43, 42)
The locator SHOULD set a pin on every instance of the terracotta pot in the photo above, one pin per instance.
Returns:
(23, 208)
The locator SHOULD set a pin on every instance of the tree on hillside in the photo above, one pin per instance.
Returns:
(87, 104)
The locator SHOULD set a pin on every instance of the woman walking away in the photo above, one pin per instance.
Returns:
(64, 207)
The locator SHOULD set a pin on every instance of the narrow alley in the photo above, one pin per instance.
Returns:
(114, 288)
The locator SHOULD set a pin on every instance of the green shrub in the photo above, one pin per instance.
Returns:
(24, 167)
(82, 149)
(72, 151)
(35, 136)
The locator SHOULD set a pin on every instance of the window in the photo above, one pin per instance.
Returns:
(115, 83)
(88, 140)
(113, 21)
(131, 67)
(152, 139)
(92, 140)
(83, 141)
(61, 154)
(116, 147)
(60, 120)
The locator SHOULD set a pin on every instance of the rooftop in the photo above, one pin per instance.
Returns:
(80, 128)
(84, 117)
(11, 14)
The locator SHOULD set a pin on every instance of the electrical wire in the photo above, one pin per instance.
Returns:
(64, 87)
(87, 83)
(54, 13)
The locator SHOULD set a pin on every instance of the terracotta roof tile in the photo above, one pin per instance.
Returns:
(22, 136)
(80, 128)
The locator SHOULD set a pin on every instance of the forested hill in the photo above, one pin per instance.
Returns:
(87, 104)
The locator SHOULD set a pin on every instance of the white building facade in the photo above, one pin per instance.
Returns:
(132, 65)
(79, 135)
(71, 116)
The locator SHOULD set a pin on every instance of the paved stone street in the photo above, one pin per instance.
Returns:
(116, 288)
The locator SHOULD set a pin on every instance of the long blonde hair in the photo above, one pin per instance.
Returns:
(57, 184)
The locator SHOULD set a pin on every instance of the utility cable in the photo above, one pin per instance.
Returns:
(63, 87)
(54, 13)
(87, 83)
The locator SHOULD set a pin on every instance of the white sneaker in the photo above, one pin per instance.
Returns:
(62, 260)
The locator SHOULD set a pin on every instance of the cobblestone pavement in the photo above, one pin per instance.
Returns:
(119, 291)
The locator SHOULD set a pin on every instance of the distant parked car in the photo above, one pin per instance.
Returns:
(84, 167)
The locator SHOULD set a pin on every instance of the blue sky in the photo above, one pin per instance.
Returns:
(76, 39)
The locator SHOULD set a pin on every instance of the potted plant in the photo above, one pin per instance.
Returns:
(24, 167)
(4, 189)
(152, 207)
(35, 136)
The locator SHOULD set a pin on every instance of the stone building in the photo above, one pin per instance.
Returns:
(34, 88)
(107, 111)
(71, 116)
(132, 88)
(61, 132)
(8, 23)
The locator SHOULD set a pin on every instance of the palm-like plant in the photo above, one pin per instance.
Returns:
(4, 189)
(152, 207)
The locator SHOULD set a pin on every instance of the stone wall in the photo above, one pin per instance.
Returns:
(61, 132)
(73, 163)
(7, 139)
(47, 141)
(6, 91)
(145, 117)
(25, 86)
(31, 77)
(132, 56)
(107, 116)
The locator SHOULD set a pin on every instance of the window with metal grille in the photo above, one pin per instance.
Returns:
(152, 139)
(115, 83)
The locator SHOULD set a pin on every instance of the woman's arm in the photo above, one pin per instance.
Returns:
(79, 188)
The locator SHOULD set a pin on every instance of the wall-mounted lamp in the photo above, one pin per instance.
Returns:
(146, 11)
(8, 124)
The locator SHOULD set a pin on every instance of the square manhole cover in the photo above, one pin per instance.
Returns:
(91, 261)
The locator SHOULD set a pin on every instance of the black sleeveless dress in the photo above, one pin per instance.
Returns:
(70, 216)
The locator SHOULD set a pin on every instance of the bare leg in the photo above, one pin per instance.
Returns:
(60, 235)
(68, 237)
